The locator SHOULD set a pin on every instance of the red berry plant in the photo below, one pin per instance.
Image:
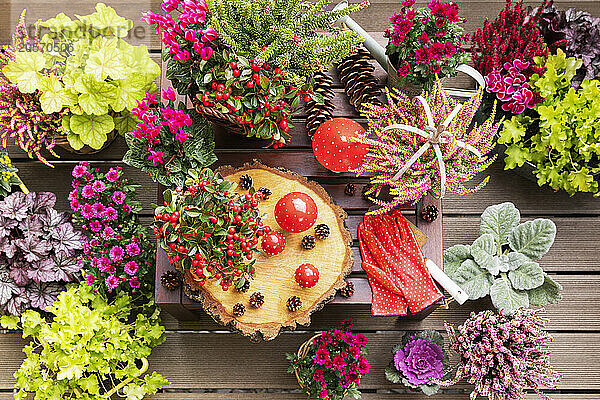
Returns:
(118, 253)
(426, 42)
(330, 365)
(209, 231)
(503, 356)
(251, 64)
(503, 52)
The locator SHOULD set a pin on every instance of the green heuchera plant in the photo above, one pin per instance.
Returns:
(92, 349)
(99, 82)
(8, 175)
(501, 262)
(561, 137)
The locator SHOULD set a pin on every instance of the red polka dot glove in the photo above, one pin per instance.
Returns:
(398, 275)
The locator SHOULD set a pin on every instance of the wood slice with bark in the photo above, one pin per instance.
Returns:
(275, 274)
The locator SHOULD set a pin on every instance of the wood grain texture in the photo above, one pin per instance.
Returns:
(381, 395)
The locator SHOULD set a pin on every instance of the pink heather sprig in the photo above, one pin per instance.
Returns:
(118, 252)
(503, 355)
(511, 86)
(21, 114)
(190, 26)
(390, 150)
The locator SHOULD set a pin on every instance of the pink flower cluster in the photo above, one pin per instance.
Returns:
(511, 86)
(153, 118)
(444, 11)
(190, 26)
(104, 206)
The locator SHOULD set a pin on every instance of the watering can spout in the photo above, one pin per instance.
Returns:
(376, 50)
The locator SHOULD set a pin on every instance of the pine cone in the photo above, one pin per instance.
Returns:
(264, 193)
(429, 213)
(322, 231)
(316, 113)
(171, 280)
(350, 189)
(347, 290)
(257, 300)
(239, 310)
(294, 303)
(308, 242)
(245, 182)
(244, 288)
(356, 74)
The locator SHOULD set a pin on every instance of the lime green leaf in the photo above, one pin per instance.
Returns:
(515, 156)
(95, 96)
(126, 122)
(25, 69)
(92, 129)
(106, 20)
(140, 62)
(55, 96)
(129, 92)
(75, 141)
(107, 62)
(9, 322)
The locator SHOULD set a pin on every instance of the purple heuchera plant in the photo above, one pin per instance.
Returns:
(38, 251)
(420, 361)
(511, 86)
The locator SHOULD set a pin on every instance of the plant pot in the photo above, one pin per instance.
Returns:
(62, 142)
(216, 117)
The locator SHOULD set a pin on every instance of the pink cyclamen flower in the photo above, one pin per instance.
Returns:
(169, 94)
(111, 282)
(156, 157)
(131, 268)
(206, 53)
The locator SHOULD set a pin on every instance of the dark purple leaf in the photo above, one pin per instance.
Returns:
(8, 288)
(6, 226)
(14, 206)
(18, 273)
(17, 304)
(42, 295)
(31, 226)
(42, 271)
(65, 267)
(33, 248)
(8, 247)
(40, 201)
(67, 240)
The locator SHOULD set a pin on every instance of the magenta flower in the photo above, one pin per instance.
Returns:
(110, 214)
(98, 186)
(131, 267)
(98, 209)
(134, 282)
(118, 197)
(111, 282)
(169, 94)
(87, 192)
(420, 361)
(75, 206)
(89, 279)
(79, 171)
(407, 3)
(116, 253)
(132, 249)
(87, 211)
(95, 226)
(156, 157)
(112, 175)
(108, 233)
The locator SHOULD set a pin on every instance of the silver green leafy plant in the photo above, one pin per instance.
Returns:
(502, 263)
(86, 72)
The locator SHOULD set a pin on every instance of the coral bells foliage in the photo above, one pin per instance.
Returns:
(511, 36)
(209, 231)
(332, 365)
(38, 252)
(21, 114)
(512, 88)
(503, 356)
(391, 149)
(167, 141)
(426, 42)
(118, 253)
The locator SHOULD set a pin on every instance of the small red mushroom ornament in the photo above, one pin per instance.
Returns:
(333, 147)
(306, 275)
(273, 243)
(296, 212)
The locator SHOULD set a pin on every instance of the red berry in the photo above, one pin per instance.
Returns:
(181, 249)
(166, 217)
(173, 245)
(199, 271)
(250, 84)
(220, 87)
(306, 98)
(277, 71)
(213, 220)
(214, 85)
(174, 218)
(306, 275)
(273, 243)
(233, 65)
(284, 126)
(236, 73)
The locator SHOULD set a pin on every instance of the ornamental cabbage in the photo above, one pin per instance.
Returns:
(84, 66)
(561, 137)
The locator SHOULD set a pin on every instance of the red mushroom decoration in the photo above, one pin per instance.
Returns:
(296, 212)
(333, 147)
(272, 243)
(306, 275)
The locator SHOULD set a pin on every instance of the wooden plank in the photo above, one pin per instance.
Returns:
(191, 360)
(576, 311)
(262, 395)
(141, 33)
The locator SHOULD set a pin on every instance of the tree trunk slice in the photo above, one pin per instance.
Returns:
(275, 274)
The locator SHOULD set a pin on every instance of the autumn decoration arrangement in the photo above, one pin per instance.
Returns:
(260, 248)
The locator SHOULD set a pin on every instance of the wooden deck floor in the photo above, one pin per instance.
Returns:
(203, 361)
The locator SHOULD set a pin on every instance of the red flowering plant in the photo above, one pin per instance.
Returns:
(209, 231)
(118, 254)
(426, 42)
(168, 141)
(330, 365)
(504, 51)
(251, 64)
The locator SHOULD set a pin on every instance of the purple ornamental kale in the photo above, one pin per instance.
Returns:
(420, 361)
(39, 251)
